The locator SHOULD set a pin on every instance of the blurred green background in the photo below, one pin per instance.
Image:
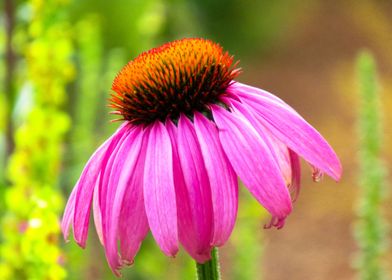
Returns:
(58, 59)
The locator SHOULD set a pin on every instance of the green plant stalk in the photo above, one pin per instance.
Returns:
(209, 270)
(371, 226)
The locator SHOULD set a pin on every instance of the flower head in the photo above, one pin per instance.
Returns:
(180, 77)
(171, 168)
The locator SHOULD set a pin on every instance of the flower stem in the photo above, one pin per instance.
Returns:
(209, 270)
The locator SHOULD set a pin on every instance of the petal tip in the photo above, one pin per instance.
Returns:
(172, 252)
(276, 222)
(336, 172)
(173, 255)
(339, 173)
(127, 262)
(65, 235)
(81, 244)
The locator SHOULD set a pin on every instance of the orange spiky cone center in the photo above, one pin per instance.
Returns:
(183, 76)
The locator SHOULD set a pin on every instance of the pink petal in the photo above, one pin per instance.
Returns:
(282, 153)
(86, 184)
(83, 195)
(295, 175)
(223, 180)
(133, 225)
(97, 215)
(119, 183)
(245, 90)
(193, 195)
(109, 174)
(105, 189)
(287, 160)
(159, 193)
(68, 214)
(253, 162)
(279, 151)
(289, 127)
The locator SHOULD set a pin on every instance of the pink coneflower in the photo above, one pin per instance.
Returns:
(171, 168)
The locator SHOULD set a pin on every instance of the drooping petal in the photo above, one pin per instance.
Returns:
(223, 180)
(119, 183)
(133, 225)
(105, 189)
(108, 179)
(282, 153)
(287, 160)
(194, 209)
(290, 128)
(159, 192)
(253, 162)
(187, 227)
(84, 192)
(295, 186)
(97, 215)
(87, 182)
(278, 150)
(239, 89)
(68, 215)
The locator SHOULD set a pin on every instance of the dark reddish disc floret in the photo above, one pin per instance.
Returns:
(183, 76)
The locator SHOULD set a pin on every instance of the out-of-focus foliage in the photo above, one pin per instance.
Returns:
(236, 19)
(88, 91)
(3, 115)
(371, 227)
(81, 140)
(31, 225)
(67, 53)
(247, 239)
(130, 24)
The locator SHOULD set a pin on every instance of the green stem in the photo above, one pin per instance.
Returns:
(209, 270)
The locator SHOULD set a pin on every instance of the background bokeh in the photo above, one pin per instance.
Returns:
(59, 58)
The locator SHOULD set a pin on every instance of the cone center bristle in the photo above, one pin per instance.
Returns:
(183, 76)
